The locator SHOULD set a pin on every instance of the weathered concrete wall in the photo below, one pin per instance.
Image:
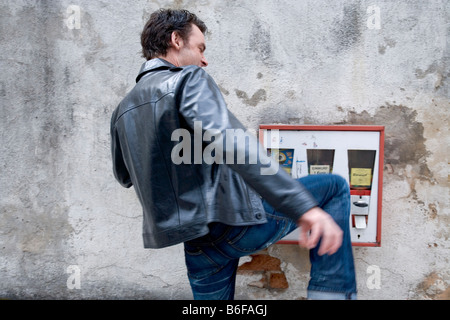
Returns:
(68, 230)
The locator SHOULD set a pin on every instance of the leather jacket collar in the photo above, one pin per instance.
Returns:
(156, 64)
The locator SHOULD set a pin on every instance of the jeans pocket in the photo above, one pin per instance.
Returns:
(199, 264)
(257, 237)
(239, 240)
(248, 240)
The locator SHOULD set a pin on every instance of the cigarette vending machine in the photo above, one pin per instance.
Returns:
(353, 152)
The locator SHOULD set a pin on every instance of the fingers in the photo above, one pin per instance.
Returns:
(309, 236)
(325, 230)
(331, 242)
(303, 238)
(314, 236)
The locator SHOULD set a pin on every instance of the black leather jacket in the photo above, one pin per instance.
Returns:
(179, 200)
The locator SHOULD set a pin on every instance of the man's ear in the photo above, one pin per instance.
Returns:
(175, 40)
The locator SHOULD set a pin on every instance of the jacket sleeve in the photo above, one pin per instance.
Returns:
(119, 168)
(200, 99)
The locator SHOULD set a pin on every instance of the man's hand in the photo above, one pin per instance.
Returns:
(316, 224)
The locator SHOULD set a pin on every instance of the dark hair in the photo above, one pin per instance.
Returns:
(155, 38)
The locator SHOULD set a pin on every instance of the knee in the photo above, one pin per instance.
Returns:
(341, 183)
(341, 186)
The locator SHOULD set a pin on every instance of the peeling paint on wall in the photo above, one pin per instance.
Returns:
(434, 286)
(257, 97)
(404, 137)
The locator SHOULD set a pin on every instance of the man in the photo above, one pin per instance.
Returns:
(216, 209)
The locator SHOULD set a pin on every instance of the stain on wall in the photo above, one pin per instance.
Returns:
(260, 41)
(435, 286)
(437, 68)
(404, 137)
(257, 97)
(347, 27)
(388, 43)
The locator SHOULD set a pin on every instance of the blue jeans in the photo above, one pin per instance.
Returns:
(212, 260)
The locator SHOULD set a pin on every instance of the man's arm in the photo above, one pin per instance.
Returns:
(200, 99)
(119, 168)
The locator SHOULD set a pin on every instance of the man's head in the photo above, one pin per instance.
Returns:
(175, 35)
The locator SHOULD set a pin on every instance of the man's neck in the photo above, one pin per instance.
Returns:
(171, 58)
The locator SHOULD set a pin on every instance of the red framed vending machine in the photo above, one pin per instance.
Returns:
(354, 152)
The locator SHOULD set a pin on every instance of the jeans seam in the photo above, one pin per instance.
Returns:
(249, 251)
(277, 217)
(205, 276)
(238, 237)
(332, 289)
(201, 252)
(217, 267)
(278, 237)
(221, 252)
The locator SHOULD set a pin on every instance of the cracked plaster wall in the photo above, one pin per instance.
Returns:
(313, 62)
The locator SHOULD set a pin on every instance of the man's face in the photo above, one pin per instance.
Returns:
(192, 51)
